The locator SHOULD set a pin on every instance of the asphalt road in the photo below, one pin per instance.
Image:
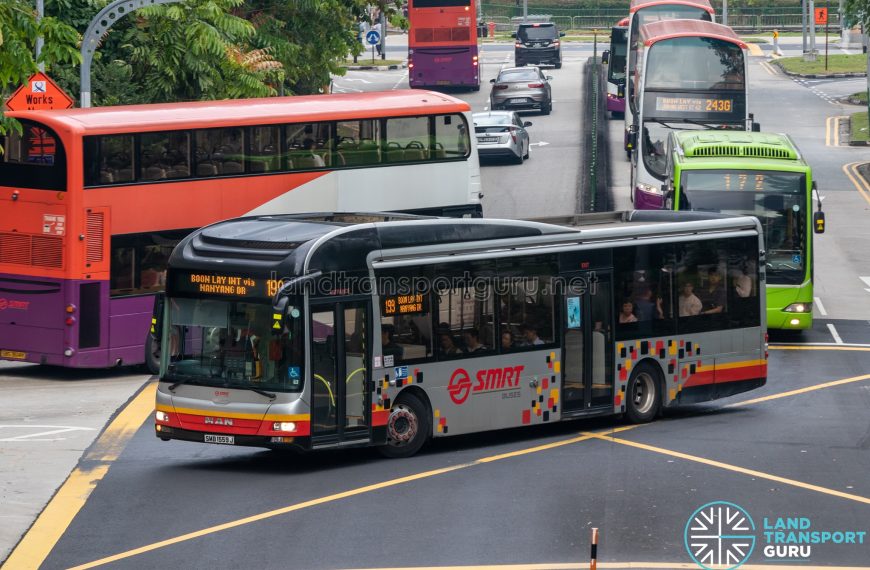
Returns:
(526, 496)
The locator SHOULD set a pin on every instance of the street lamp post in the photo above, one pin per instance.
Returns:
(98, 28)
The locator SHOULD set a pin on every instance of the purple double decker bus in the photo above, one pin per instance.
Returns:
(442, 44)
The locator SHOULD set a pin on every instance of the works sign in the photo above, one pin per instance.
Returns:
(39, 93)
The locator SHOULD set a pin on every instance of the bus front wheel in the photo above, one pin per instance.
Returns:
(407, 427)
(152, 354)
(643, 395)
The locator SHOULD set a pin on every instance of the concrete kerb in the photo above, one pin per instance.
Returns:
(818, 75)
(392, 67)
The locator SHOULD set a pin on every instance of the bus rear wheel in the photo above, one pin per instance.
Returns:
(407, 428)
(643, 396)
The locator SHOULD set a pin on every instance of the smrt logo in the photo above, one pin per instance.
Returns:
(486, 380)
(459, 386)
(7, 304)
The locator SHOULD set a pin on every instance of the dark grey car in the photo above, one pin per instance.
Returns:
(521, 88)
(538, 44)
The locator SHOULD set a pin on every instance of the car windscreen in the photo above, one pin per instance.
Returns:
(537, 33)
(492, 121)
(518, 75)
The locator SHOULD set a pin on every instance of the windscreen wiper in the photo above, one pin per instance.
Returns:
(269, 395)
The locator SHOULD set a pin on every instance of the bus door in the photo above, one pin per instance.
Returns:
(340, 391)
(587, 353)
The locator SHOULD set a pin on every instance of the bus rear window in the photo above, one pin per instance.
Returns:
(33, 158)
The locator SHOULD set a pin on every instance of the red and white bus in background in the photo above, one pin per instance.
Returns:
(443, 44)
(643, 12)
(690, 74)
(92, 201)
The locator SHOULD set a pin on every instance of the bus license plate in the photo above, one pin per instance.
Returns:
(17, 355)
(224, 439)
(442, 82)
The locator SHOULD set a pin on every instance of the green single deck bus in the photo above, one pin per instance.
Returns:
(759, 174)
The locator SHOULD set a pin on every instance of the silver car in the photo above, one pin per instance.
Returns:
(521, 88)
(502, 133)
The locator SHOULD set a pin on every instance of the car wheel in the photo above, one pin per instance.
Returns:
(518, 158)
(643, 396)
(407, 427)
(545, 109)
(558, 65)
(528, 152)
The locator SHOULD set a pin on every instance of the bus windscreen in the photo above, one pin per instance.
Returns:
(777, 199)
(695, 64)
(618, 51)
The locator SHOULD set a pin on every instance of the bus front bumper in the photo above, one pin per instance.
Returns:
(166, 433)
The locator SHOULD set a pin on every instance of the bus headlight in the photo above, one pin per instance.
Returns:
(284, 426)
(161, 416)
(647, 188)
(799, 308)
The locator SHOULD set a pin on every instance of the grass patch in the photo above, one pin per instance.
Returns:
(860, 97)
(860, 130)
(836, 64)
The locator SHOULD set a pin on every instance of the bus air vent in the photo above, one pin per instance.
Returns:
(94, 243)
(15, 248)
(741, 150)
(47, 251)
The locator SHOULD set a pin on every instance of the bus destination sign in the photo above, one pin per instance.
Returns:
(404, 304)
(216, 285)
(694, 104)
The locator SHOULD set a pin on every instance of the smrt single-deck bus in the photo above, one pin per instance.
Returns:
(690, 75)
(615, 60)
(443, 44)
(761, 175)
(642, 12)
(337, 331)
(92, 201)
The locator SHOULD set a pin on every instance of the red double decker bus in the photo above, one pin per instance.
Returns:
(442, 44)
(92, 201)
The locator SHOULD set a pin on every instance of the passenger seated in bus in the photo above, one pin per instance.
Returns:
(690, 305)
(530, 335)
(507, 341)
(743, 282)
(647, 308)
(446, 344)
(713, 295)
(388, 343)
(626, 313)
(471, 338)
(309, 158)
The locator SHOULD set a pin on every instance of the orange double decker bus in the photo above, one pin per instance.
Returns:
(92, 201)
(442, 44)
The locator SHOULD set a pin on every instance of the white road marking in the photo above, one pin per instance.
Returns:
(834, 334)
(31, 436)
(357, 79)
(821, 307)
(401, 79)
(542, 143)
(867, 281)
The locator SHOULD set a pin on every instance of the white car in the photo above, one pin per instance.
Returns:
(502, 133)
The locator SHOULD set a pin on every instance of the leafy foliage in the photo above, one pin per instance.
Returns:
(858, 12)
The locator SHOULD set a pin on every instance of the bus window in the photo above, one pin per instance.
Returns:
(308, 146)
(358, 143)
(108, 160)
(466, 310)
(264, 149)
(164, 155)
(526, 303)
(644, 283)
(219, 152)
(33, 159)
(139, 262)
(451, 137)
(407, 139)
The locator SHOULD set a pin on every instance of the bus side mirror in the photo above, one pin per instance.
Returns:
(513, 34)
(632, 137)
(605, 56)
(620, 90)
(756, 127)
(819, 222)
(157, 316)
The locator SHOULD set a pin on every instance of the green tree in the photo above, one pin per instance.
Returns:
(18, 32)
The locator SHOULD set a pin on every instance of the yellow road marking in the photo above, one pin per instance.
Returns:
(53, 521)
(754, 49)
(799, 347)
(735, 468)
(858, 180)
(335, 497)
(832, 130)
(612, 565)
(801, 391)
